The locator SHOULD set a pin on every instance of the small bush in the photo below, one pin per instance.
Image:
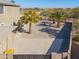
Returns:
(76, 37)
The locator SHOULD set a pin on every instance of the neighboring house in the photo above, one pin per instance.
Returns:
(9, 12)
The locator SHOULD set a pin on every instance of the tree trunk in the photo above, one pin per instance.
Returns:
(66, 20)
(58, 24)
(53, 21)
(30, 24)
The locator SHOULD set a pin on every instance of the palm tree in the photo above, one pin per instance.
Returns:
(58, 16)
(30, 16)
(66, 16)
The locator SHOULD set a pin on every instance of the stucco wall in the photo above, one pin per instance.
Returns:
(6, 38)
(11, 14)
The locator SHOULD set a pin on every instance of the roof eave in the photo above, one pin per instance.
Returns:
(15, 5)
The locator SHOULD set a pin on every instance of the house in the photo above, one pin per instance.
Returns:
(9, 12)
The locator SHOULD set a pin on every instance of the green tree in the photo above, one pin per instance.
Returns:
(58, 16)
(75, 13)
(30, 16)
(66, 16)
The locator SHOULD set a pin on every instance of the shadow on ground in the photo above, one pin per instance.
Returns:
(50, 31)
(75, 50)
(46, 25)
(21, 30)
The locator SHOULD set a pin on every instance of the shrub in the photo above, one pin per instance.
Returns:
(76, 37)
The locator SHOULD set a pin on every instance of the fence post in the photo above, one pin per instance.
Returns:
(56, 56)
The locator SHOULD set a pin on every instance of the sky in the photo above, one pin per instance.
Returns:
(48, 3)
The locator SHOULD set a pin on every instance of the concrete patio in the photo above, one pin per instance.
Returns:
(38, 42)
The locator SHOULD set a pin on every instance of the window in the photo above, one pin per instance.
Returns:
(1, 9)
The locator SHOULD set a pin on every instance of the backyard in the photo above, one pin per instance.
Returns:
(35, 33)
(41, 38)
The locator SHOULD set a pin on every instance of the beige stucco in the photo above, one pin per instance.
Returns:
(11, 13)
(6, 38)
